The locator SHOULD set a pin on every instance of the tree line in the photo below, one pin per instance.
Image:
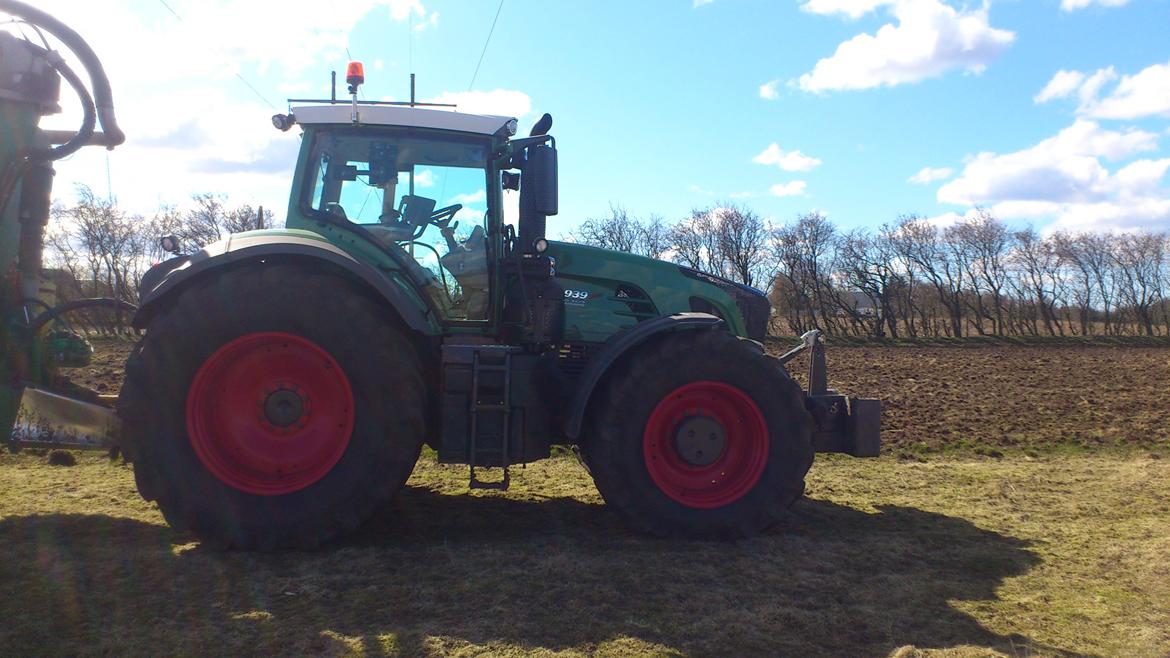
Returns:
(906, 278)
(914, 278)
(101, 250)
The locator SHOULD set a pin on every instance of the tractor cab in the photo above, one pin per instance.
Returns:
(426, 187)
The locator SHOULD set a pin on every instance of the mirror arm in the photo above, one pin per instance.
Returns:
(525, 142)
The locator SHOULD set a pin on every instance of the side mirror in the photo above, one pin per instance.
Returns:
(540, 179)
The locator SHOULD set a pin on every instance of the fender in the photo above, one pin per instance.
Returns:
(617, 347)
(169, 276)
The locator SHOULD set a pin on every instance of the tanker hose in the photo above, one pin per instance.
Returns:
(87, 123)
(102, 94)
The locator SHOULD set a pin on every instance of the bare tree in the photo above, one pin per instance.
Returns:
(243, 218)
(1040, 264)
(925, 252)
(988, 241)
(803, 256)
(1140, 259)
(101, 244)
(868, 263)
(621, 231)
(617, 231)
(655, 241)
(203, 223)
(743, 239)
(696, 243)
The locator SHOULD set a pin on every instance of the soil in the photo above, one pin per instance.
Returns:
(104, 373)
(983, 398)
(1003, 397)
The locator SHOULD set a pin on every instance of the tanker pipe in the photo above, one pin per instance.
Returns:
(102, 94)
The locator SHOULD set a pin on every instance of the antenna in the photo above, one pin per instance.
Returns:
(412, 90)
(333, 86)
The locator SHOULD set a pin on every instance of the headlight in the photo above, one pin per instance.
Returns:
(283, 122)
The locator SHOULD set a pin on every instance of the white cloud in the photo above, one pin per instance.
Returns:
(1141, 95)
(400, 10)
(1065, 178)
(191, 125)
(795, 188)
(431, 21)
(931, 174)
(786, 160)
(852, 8)
(1093, 84)
(424, 178)
(695, 189)
(949, 219)
(929, 39)
(1073, 5)
(473, 198)
(503, 102)
(1145, 94)
(1062, 85)
(700, 3)
(770, 90)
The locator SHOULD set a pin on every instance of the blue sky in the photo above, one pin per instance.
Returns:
(1051, 112)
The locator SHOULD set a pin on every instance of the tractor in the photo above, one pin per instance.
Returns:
(287, 379)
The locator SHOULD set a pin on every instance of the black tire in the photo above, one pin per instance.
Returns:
(383, 373)
(615, 451)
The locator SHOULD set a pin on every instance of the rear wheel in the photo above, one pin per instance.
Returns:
(271, 407)
(699, 435)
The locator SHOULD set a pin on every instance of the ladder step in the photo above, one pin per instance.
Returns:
(499, 485)
(499, 387)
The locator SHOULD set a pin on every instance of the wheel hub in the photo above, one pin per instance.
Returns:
(284, 407)
(706, 444)
(270, 413)
(700, 440)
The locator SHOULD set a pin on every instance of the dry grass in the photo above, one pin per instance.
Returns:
(1050, 557)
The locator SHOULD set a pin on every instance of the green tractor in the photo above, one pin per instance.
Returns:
(288, 379)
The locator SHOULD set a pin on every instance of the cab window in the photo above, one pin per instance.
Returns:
(423, 197)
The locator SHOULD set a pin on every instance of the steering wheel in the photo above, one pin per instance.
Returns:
(415, 213)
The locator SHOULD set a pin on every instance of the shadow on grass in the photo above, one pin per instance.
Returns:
(438, 573)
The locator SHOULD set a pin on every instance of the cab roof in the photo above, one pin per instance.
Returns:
(399, 115)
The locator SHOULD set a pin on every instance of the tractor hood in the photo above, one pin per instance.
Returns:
(606, 291)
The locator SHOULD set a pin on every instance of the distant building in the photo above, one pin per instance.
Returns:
(863, 304)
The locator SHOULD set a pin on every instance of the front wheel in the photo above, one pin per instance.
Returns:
(699, 435)
(270, 407)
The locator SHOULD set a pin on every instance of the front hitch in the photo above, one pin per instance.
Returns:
(842, 424)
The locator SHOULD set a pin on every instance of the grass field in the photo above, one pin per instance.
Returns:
(1056, 556)
(968, 538)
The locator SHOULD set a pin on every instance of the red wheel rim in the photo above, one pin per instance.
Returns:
(270, 413)
(735, 467)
